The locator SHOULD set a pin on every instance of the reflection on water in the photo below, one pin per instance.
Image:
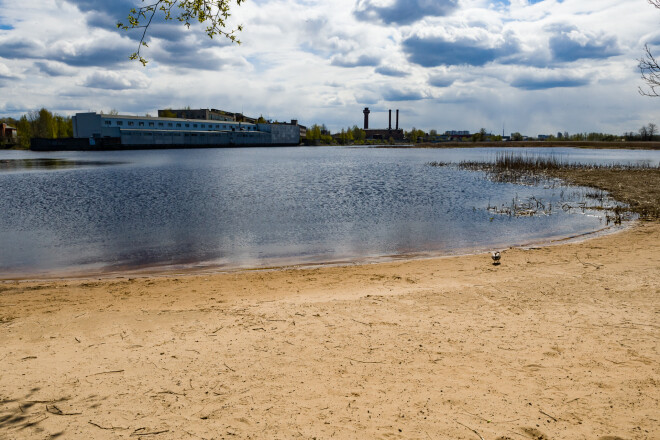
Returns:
(262, 206)
(48, 164)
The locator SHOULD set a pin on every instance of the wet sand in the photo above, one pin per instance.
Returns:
(559, 342)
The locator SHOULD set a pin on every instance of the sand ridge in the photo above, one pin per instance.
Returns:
(557, 342)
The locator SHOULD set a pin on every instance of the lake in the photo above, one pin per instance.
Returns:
(90, 212)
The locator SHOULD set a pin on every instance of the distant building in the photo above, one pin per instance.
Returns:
(8, 133)
(456, 135)
(96, 131)
(383, 134)
(207, 114)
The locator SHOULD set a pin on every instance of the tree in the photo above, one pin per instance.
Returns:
(516, 136)
(651, 129)
(214, 13)
(643, 133)
(649, 67)
(168, 113)
(24, 132)
(358, 134)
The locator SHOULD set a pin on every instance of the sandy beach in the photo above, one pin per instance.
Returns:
(557, 342)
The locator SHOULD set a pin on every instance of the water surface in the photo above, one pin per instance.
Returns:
(254, 207)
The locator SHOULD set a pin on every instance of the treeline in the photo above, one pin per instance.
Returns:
(319, 134)
(40, 124)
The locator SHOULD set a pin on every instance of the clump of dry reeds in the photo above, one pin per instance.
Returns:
(635, 184)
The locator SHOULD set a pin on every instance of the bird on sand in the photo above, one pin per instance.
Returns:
(496, 257)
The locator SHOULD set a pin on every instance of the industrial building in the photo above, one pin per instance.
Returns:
(93, 131)
(8, 133)
(208, 114)
(383, 134)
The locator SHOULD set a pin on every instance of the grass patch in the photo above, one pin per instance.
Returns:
(637, 185)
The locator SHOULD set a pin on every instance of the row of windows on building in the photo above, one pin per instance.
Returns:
(148, 133)
(179, 125)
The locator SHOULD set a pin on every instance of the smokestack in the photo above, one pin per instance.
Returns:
(366, 118)
(390, 126)
(397, 119)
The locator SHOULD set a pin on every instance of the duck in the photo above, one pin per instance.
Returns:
(496, 257)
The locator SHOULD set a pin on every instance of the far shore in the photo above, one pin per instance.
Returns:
(624, 145)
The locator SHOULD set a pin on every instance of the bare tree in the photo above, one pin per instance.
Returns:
(643, 133)
(649, 67)
(651, 130)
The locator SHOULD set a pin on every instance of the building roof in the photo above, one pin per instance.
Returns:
(156, 118)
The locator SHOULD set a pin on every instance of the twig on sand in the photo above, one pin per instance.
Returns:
(58, 412)
(229, 368)
(112, 428)
(171, 392)
(365, 362)
(363, 323)
(597, 266)
(138, 432)
(473, 430)
(546, 414)
(105, 372)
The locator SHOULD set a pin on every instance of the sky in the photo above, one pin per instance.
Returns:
(531, 66)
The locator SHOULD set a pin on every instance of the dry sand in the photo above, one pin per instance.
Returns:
(559, 342)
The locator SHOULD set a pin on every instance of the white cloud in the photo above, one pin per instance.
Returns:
(321, 61)
(6, 73)
(117, 80)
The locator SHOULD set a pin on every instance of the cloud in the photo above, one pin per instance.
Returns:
(367, 97)
(20, 48)
(440, 51)
(352, 61)
(441, 81)
(6, 73)
(103, 13)
(101, 52)
(394, 94)
(180, 55)
(51, 68)
(403, 11)
(117, 80)
(570, 44)
(392, 71)
(550, 80)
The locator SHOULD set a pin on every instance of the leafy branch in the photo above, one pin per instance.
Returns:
(213, 12)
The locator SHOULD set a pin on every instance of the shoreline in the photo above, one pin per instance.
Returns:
(557, 342)
(205, 268)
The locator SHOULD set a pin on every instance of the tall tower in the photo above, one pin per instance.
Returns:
(366, 118)
(389, 127)
(397, 119)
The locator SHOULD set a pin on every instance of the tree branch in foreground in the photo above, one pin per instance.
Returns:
(214, 13)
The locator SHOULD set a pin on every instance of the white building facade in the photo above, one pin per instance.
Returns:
(146, 132)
